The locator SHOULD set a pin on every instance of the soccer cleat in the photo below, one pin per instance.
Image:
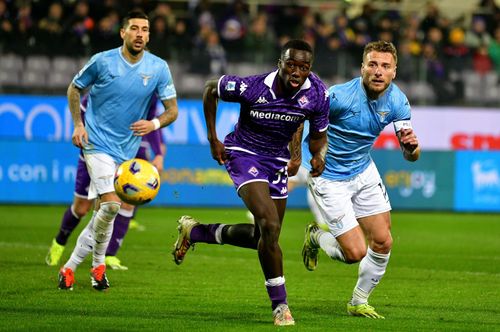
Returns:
(66, 278)
(183, 243)
(114, 263)
(134, 224)
(363, 310)
(310, 252)
(98, 277)
(54, 255)
(282, 315)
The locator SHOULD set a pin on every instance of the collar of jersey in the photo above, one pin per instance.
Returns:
(126, 61)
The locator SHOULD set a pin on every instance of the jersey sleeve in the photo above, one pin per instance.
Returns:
(88, 74)
(166, 88)
(402, 112)
(319, 122)
(230, 88)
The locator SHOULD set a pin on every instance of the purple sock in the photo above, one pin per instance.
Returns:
(120, 229)
(68, 224)
(277, 294)
(204, 233)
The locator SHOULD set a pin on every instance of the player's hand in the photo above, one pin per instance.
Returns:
(408, 139)
(317, 165)
(158, 162)
(142, 127)
(80, 136)
(218, 151)
(293, 167)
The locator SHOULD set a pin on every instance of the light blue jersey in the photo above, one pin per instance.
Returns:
(120, 95)
(355, 123)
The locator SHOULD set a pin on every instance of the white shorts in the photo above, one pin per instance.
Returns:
(342, 202)
(300, 177)
(102, 170)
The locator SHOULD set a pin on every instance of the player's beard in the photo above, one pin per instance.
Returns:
(132, 50)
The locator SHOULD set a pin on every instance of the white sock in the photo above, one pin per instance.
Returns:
(83, 246)
(330, 246)
(103, 229)
(218, 233)
(371, 270)
(278, 281)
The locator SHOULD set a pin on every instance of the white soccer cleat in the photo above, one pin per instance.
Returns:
(282, 316)
(183, 243)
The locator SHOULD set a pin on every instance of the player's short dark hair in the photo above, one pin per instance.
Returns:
(296, 44)
(381, 46)
(136, 13)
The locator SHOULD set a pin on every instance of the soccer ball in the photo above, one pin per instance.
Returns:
(137, 181)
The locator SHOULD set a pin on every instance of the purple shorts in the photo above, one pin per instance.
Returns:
(82, 181)
(142, 153)
(244, 168)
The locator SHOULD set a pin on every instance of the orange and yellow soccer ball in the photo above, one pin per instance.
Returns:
(137, 181)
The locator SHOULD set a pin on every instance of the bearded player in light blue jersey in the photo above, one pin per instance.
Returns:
(122, 82)
(350, 194)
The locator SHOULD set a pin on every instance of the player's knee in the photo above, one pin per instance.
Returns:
(354, 255)
(81, 207)
(80, 210)
(109, 210)
(382, 245)
(269, 230)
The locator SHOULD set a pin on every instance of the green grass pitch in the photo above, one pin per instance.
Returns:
(444, 275)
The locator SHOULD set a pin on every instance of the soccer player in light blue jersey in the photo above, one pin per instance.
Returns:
(81, 205)
(121, 83)
(350, 194)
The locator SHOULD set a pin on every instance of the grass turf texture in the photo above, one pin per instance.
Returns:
(444, 275)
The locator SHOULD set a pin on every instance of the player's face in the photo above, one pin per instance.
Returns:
(135, 35)
(294, 68)
(378, 70)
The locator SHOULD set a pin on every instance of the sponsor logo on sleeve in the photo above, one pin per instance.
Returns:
(230, 86)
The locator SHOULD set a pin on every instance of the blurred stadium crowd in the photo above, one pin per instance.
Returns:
(442, 60)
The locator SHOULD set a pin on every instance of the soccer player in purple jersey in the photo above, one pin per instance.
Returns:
(272, 107)
(81, 204)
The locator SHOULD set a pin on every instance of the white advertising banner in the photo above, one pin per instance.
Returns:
(450, 128)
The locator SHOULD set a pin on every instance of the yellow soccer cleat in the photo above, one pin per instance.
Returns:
(54, 255)
(363, 310)
(310, 252)
(114, 263)
(135, 225)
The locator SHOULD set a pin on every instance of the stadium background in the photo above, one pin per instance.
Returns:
(449, 65)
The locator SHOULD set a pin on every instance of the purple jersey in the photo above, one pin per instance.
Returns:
(267, 122)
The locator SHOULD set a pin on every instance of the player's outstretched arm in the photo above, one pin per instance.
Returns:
(210, 99)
